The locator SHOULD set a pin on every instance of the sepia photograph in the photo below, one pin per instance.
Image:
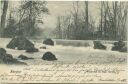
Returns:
(63, 41)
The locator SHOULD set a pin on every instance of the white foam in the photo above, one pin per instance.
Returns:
(68, 53)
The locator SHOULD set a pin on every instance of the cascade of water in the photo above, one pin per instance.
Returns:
(109, 47)
(75, 43)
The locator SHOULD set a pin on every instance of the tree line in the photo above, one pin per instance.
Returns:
(81, 26)
(77, 24)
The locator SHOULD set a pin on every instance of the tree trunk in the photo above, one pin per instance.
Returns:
(101, 22)
(86, 30)
(86, 10)
(3, 18)
(115, 20)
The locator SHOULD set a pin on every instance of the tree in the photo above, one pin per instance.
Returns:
(75, 14)
(86, 12)
(3, 16)
(10, 29)
(59, 28)
(81, 25)
(114, 20)
(29, 12)
(75, 25)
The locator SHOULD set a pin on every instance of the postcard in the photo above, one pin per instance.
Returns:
(63, 41)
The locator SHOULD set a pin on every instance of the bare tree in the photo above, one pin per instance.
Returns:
(75, 14)
(113, 20)
(29, 12)
(87, 17)
(3, 16)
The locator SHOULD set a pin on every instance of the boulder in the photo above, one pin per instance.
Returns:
(2, 53)
(48, 42)
(21, 43)
(23, 57)
(32, 50)
(13, 43)
(8, 58)
(43, 47)
(16, 62)
(119, 46)
(124, 49)
(49, 56)
(98, 45)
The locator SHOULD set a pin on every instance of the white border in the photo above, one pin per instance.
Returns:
(70, 0)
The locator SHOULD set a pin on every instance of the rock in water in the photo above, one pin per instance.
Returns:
(119, 46)
(2, 53)
(49, 56)
(32, 50)
(48, 42)
(8, 58)
(43, 47)
(13, 43)
(115, 47)
(124, 49)
(21, 43)
(98, 45)
(23, 57)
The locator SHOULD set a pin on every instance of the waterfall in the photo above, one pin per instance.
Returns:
(75, 43)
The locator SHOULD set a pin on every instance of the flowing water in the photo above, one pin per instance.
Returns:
(69, 51)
